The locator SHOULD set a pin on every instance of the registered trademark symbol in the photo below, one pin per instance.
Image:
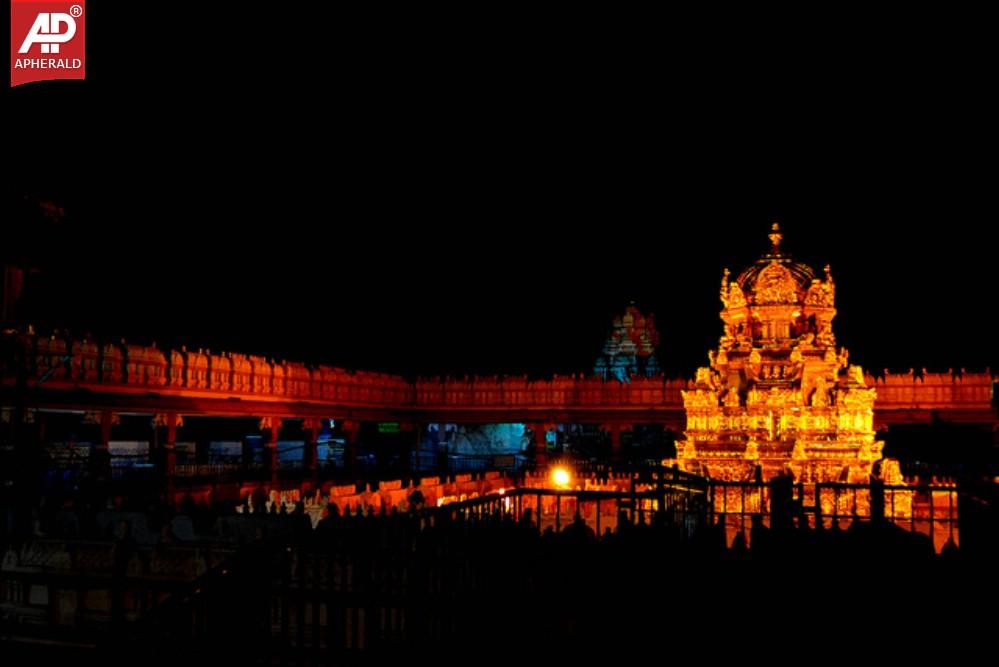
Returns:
(76, 11)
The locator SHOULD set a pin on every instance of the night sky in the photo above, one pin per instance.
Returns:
(413, 202)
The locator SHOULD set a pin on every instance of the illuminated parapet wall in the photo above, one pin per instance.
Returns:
(778, 393)
(950, 392)
(151, 378)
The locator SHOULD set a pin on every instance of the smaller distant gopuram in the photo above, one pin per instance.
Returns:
(631, 347)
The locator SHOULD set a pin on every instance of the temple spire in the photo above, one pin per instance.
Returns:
(776, 237)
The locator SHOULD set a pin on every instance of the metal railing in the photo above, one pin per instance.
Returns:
(927, 509)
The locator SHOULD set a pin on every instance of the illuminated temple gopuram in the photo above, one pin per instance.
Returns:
(778, 394)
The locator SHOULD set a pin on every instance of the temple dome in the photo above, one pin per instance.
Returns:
(802, 273)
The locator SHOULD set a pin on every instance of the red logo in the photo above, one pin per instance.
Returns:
(47, 40)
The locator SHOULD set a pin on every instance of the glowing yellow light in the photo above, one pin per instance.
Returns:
(561, 477)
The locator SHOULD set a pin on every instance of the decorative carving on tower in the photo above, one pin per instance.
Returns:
(778, 393)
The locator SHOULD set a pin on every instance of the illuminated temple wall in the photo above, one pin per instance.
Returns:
(932, 391)
(186, 372)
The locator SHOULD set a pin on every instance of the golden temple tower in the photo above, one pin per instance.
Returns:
(778, 394)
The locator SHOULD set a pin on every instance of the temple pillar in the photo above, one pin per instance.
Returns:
(271, 426)
(540, 432)
(107, 419)
(412, 433)
(614, 430)
(100, 455)
(350, 429)
(163, 452)
(312, 427)
(415, 435)
(173, 420)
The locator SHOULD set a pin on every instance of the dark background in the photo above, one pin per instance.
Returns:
(452, 193)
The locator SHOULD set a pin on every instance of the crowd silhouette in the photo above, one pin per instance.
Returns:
(430, 578)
